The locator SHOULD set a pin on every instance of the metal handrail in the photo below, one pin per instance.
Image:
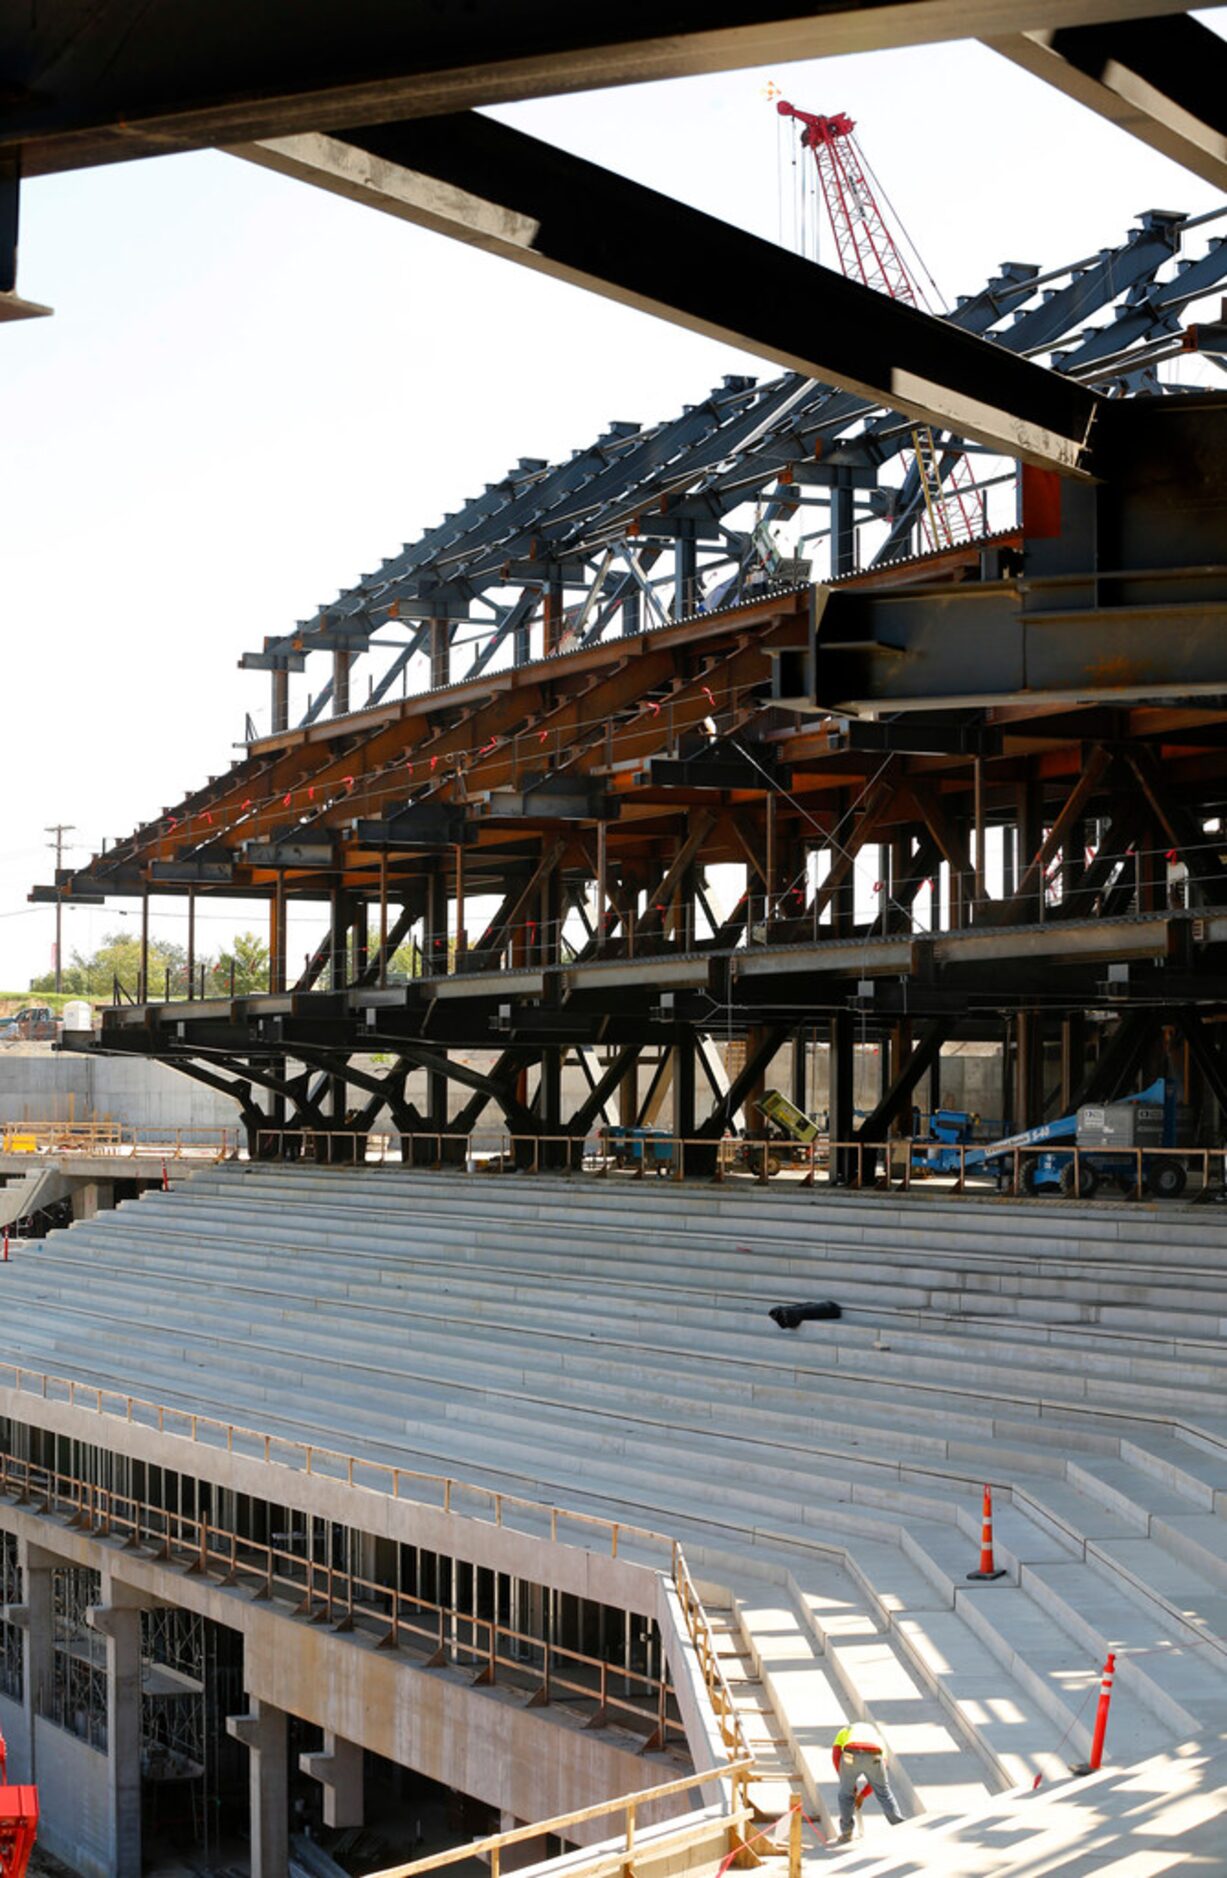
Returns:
(860, 1163)
(117, 1138)
(627, 1804)
(863, 1162)
(313, 1458)
(355, 1599)
(448, 1632)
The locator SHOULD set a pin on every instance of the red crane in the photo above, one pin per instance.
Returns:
(868, 251)
(18, 1822)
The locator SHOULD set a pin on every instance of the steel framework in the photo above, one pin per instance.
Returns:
(1020, 741)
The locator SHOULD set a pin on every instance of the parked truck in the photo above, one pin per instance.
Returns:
(34, 1023)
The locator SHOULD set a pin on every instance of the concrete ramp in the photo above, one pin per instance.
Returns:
(42, 1186)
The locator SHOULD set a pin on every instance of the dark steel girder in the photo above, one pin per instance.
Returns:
(976, 645)
(1162, 79)
(102, 82)
(512, 195)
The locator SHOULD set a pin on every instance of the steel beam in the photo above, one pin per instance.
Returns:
(497, 189)
(976, 645)
(124, 78)
(1162, 79)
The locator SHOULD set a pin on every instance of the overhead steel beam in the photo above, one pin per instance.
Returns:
(497, 189)
(1162, 79)
(976, 645)
(129, 78)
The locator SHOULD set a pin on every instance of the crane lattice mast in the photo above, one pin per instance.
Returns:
(869, 252)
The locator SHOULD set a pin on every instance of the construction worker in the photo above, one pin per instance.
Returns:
(859, 1750)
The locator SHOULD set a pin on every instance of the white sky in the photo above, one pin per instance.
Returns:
(252, 392)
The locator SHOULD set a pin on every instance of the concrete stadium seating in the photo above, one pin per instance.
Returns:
(605, 1344)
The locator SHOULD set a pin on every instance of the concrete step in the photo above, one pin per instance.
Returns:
(985, 1281)
(817, 1684)
(1184, 1683)
(906, 1354)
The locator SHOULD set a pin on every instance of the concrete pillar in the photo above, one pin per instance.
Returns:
(119, 1621)
(93, 1197)
(33, 1616)
(263, 1732)
(339, 1771)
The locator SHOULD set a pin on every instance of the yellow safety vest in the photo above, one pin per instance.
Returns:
(860, 1738)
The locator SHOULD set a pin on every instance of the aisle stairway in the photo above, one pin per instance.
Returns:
(605, 1344)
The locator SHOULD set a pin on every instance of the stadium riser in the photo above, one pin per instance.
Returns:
(606, 1346)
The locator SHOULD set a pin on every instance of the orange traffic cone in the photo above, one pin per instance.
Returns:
(988, 1570)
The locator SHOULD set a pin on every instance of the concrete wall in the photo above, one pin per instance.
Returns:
(37, 1084)
(514, 1546)
(73, 1799)
(48, 1087)
(13, 1728)
(532, 1763)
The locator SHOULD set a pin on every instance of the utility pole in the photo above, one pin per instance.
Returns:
(59, 830)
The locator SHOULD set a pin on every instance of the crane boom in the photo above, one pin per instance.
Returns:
(869, 252)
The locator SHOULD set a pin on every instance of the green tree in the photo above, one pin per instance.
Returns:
(249, 956)
(119, 958)
(405, 962)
